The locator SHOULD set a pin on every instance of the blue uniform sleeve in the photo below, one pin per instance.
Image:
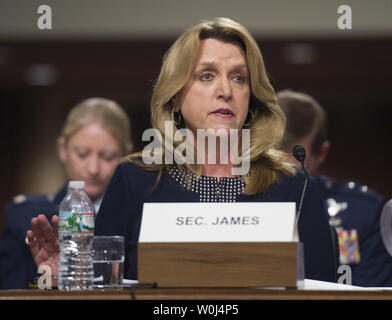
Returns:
(16, 263)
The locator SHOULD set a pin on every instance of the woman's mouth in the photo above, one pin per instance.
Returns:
(224, 113)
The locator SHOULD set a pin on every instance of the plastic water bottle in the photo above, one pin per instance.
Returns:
(76, 228)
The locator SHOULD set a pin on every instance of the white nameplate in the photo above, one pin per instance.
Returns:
(218, 222)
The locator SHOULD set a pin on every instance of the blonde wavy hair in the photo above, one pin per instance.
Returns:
(107, 113)
(268, 124)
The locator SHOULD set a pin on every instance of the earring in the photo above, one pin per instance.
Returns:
(178, 121)
(247, 124)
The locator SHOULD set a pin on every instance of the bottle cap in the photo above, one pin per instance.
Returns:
(76, 185)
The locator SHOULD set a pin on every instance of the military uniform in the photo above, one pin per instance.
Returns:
(17, 267)
(354, 210)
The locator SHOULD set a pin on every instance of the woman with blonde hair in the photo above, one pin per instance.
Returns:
(213, 79)
(95, 136)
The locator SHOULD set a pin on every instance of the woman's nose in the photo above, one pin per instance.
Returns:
(93, 165)
(224, 89)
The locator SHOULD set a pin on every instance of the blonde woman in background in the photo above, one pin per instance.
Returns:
(95, 136)
(212, 78)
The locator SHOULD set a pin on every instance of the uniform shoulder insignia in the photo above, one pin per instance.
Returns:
(328, 184)
(331, 184)
(333, 187)
(351, 185)
(50, 197)
(20, 198)
(325, 181)
(360, 189)
(355, 186)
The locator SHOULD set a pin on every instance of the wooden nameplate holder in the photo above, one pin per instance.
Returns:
(221, 264)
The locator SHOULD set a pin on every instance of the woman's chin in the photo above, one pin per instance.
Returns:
(93, 193)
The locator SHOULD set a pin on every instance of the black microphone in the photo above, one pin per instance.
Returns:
(300, 154)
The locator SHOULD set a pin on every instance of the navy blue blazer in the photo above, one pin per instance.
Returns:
(121, 211)
(17, 267)
(355, 206)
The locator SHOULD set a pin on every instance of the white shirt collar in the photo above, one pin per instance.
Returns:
(97, 204)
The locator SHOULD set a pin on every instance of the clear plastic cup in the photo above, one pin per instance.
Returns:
(108, 258)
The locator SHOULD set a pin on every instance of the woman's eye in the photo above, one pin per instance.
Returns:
(206, 77)
(82, 154)
(239, 79)
(108, 158)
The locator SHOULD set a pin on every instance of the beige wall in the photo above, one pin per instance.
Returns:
(141, 18)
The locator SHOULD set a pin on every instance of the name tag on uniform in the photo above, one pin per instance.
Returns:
(218, 222)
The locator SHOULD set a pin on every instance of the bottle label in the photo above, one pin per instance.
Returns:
(70, 222)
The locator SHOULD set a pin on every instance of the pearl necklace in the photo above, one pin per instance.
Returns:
(208, 188)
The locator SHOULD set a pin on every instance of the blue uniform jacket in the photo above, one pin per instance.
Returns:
(355, 206)
(17, 267)
(121, 211)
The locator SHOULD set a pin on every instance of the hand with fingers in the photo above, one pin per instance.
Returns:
(43, 242)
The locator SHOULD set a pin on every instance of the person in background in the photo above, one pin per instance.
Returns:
(96, 134)
(354, 209)
(212, 78)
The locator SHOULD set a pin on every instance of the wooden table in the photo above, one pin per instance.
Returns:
(195, 294)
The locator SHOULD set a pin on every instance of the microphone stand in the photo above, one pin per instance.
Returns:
(300, 154)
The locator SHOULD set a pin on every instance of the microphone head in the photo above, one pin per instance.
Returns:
(299, 153)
